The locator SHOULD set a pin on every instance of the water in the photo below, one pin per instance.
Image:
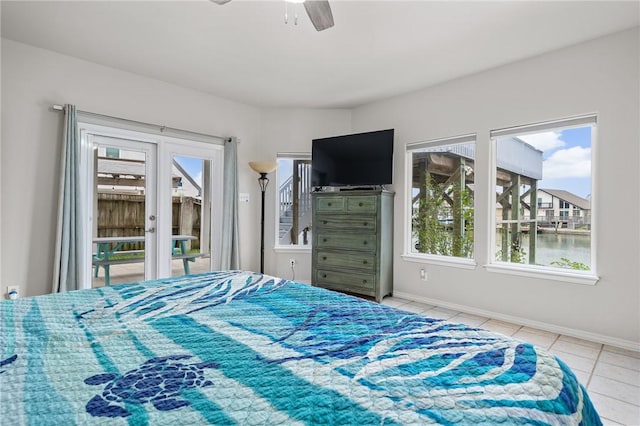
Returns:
(552, 247)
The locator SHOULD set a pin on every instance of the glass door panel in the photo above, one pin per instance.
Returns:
(190, 215)
(124, 212)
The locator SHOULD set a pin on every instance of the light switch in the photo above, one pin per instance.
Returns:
(243, 197)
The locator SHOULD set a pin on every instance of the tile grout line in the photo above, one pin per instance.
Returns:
(554, 341)
(593, 370)
(616, 380)
(589, 392)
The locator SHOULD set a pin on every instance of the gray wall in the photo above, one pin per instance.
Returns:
(600, 76)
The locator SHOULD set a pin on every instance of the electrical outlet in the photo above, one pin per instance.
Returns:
(292, 262)
(12, 291)
(423, 275)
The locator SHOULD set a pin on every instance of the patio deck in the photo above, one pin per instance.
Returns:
(125, 273)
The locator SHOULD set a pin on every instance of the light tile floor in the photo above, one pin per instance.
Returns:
(611, 375)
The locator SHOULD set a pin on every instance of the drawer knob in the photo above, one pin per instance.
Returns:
(366, 223)
(364, 281)
(359, 204)
(364, 262)
(329, 204)
(324, 275)
(324, 240)
(324, 222)
(324, 257)
(365, 243)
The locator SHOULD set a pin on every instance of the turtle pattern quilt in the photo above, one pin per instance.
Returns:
(235, 347)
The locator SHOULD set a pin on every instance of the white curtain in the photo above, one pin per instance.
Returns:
(230, 252)
(69, 238)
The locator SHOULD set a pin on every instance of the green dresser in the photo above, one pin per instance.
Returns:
(353, 242)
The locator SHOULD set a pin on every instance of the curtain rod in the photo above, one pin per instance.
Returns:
(160, 127)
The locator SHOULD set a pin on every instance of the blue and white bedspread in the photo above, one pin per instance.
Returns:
(242, 348)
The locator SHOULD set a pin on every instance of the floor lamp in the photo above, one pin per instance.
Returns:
(263, 168)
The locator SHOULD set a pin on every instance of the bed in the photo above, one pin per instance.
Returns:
(236, 347)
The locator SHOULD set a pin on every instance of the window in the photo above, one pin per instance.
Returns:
(293, 226)
(112, 152)
(532, 166)
(441, 176)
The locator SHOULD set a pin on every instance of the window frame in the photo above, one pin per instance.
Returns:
(287, 248)
(436, 259)
(538, 271)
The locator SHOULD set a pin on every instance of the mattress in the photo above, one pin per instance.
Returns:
(237, 347)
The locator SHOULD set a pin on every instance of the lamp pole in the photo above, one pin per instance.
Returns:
(263, 181)
(262, 168)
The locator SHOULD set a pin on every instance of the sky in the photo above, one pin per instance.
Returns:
(285, 168)
(566, 159)
(193, 166)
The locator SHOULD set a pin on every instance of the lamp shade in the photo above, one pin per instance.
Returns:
(263, 166)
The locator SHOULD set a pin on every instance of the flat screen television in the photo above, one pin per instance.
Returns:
(362, 159)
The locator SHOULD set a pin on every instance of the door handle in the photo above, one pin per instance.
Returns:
(150, 230)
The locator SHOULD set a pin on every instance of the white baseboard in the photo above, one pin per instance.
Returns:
(553, 328)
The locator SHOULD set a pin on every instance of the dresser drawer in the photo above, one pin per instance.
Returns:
(331, 204)
(355, 281)
(362, 204)
(360, 261)
(364, 242)
(346, 222)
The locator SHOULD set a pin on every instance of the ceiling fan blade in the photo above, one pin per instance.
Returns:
(320, 14)
(220, 1)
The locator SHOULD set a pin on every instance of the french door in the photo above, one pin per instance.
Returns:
(124, 210)
(150, 204)
(191, 229)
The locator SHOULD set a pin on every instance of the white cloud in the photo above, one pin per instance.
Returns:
(568, 163)
(198, 178)
(544, 141)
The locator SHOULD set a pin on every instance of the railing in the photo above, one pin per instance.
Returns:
(295, 201)
(286, 196)
(571, 222)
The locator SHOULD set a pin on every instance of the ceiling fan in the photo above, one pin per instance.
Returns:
(319, 12)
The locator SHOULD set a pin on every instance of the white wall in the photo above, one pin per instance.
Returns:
(2, 288)
(32, 80)
(600, 76)
(286, 130)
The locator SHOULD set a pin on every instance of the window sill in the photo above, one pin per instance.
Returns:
(586, 278)
(292, 249)
(454, 262)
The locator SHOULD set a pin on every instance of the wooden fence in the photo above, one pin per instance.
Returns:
(121, 215)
